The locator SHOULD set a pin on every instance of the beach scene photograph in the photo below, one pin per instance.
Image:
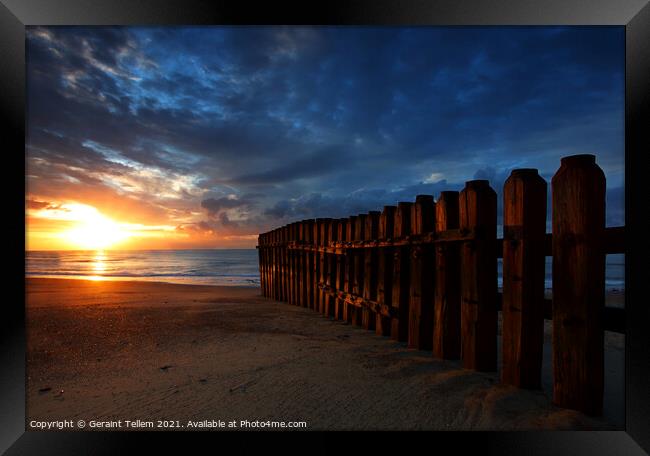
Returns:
(295, 228)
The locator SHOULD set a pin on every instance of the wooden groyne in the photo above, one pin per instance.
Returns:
(425, 273)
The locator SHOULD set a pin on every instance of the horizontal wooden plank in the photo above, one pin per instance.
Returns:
(614, 318)
(358, 301)
(614, 242)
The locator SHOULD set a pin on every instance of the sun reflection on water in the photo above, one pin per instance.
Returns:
(98, 266)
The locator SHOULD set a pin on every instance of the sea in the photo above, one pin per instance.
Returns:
(236, 267)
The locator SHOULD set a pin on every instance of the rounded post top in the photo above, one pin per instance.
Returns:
(581, 159)
(374, 213)
(424, 199)
(524, 172)
(448, 194)
(389, 208)
(477, 183)
(404, 204)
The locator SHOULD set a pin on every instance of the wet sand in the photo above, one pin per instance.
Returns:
(141, 350)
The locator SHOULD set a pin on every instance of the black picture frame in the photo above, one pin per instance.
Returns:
(634, 15)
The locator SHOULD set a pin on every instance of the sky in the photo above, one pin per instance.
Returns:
(203, 137)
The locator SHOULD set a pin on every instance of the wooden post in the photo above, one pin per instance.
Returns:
(359, 269)
(285, 250)
(422, 277)
(260, 254)
(385, 269)
(302, 273)
(349, 312)
(294, 265)
(311, 272)
(279, 260)
(267, 263)
(260, 260)
(315, 265)
(340, 270)
(267, 287)
(478, 214)
(321, 229)
(302, 293)
(446, 315)
(524, 229)
(401, 273)
(320, 278)
(330, 263)
(281, 264)
(324, 264)
(578, 192)
(371, 263)
(278, 263)
(271, 265)
(289, 274)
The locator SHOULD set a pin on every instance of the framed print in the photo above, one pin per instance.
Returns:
(359, 216)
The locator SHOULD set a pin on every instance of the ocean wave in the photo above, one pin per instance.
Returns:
(130, 274)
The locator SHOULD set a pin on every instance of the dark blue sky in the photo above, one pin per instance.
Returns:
(227, 132)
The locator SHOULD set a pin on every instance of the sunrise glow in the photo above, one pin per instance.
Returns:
(76, 226)
(96, 233)
(131, 146)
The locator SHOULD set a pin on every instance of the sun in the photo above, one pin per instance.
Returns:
(94, 231)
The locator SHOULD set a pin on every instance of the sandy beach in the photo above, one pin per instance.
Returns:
(117, 350)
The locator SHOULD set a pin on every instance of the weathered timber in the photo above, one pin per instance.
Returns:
(312, 265)
(293, 263)
(330, 268)
(420, 333)
(340, 270)
(371, 263)
(260, 256)
(478, 210)
(304, 259)
(425, 272)
(348, 311)
(359, 301)
(359, 270)
(578, 193)
(524, 220)
(446, 320)
(385, 270)
(401, 273)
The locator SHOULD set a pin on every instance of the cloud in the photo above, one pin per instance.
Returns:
(43, 205)
(216, 206)
(311, 121)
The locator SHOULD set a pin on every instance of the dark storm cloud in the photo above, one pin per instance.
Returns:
(216, 206)
(316, 164)
(319, 121)
(312, 205)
